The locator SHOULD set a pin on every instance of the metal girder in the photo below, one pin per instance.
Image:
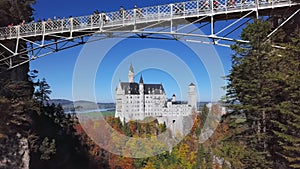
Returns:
(290, 17)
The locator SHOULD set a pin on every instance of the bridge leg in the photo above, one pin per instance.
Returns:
(171, 24)
(32, 51)
(10, 63)
(18, 39)
(134, 15)
(212, 18)
(257, 5)
(43, 35)
(101, 22)
(91, 21)
(212, 28)
(71, 27)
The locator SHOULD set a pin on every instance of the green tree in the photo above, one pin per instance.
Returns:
(42, 92)
(249, 90)
(204, 114)
(287, 81)
(264, 86)
(47, 149)
(200, 156)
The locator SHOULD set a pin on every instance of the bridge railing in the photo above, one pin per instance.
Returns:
(132, 16)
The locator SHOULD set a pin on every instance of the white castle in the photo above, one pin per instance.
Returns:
(135, 101)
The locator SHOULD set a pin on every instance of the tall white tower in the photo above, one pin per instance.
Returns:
(119, 94)
(131, 74)
(192, 100)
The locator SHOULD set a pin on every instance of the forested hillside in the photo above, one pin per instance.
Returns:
(33, 134)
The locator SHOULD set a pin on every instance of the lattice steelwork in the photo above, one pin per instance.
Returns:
(139, 20)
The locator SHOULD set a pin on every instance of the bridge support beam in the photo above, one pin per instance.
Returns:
(17, 40)
(171, 22)
(290, 17)
(212, 18)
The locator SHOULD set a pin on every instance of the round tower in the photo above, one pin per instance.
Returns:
(192, 94)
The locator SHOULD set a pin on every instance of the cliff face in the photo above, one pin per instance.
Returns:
(16, 92)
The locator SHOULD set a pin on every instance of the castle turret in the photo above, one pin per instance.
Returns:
(173, 98)
(192, 94)
(131, 75)
(141, 85)
(142, 97)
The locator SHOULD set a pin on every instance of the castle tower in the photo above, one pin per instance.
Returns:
(131, 75)
(119, 94)
(192, 94)
(141, 85)
(142, 97)
(174, 98)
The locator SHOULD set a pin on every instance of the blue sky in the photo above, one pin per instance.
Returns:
(173, 63)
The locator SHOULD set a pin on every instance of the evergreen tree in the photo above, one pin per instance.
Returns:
(43, 91)
(250, 90)
(287, 81)
(200, 156)
(264, 86)
(204, 114)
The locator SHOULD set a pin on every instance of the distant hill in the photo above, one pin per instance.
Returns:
(81, 105)
(60, 101)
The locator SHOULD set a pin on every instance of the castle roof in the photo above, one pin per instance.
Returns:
(130, 88)
(192, 84)
(153, 89)
(133, 88)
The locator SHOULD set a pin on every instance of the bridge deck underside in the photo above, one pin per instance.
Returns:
(180, 20)
(163, 19)
(133, 20)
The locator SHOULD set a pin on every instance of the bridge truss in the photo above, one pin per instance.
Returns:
(170, 20)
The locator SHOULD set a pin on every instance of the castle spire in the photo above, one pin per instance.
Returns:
(131, 68)
(131, 74)
(141, 80)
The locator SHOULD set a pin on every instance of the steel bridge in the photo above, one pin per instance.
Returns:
(170, 20)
